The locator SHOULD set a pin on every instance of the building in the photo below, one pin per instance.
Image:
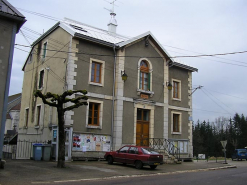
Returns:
(11, 21)
(13, 112)
(75, 56)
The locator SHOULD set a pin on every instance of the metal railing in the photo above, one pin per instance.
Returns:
(161, 145)
(21, 150)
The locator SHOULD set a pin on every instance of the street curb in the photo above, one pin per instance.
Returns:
(148, 175)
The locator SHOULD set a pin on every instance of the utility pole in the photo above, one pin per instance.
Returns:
(199, 87)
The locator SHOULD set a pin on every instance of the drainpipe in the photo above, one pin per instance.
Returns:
(6, 93)
(113, 95)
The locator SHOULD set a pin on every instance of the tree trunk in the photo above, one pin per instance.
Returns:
(61, 141)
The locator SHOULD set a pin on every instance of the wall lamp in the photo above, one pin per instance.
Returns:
(169, 86)
(124, 75)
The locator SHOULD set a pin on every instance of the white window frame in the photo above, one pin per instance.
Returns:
(179, 89)
(42, 54)
(26, 121)
(151, 77)
(36, 116)
(40, 88)
(180, 122)
(102, 72)
(100, 114)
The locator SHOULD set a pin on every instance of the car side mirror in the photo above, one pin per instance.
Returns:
(117, 151)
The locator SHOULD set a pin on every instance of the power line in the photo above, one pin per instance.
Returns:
(214, 101)
(133, 56)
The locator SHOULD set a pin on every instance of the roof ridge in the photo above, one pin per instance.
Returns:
(15, 103)
(107, 32)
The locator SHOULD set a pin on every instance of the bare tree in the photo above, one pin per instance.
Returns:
(58, 101)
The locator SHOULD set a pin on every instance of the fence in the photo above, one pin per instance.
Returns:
(21, 150)
(162, 144)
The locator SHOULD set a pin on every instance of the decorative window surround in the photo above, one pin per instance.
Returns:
(39, 122)
(44, 50)
(150, 80)
(180, 123)
(179, 90)
(102, 73)
(26, 117)
(41, 81)
(100, 114)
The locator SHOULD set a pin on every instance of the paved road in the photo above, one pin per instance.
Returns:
(230, 176)
(81, 172)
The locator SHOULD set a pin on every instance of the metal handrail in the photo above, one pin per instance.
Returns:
(161, 144)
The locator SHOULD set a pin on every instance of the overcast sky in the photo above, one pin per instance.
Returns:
(183, 27)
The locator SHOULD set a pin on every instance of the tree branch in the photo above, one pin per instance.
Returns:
(48, 95)
(76, 100)
(75, 106)
(70, 92)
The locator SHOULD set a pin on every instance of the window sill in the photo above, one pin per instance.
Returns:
(41, 88)
(176, 133)
(139, 91)
(176, 99)
(36, 126)
(95, 127)
(25, 127)
(96, 84)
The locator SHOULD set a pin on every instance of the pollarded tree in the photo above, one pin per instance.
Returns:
(58, 101)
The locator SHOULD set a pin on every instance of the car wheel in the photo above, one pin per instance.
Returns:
(110, 160)
(232, 159)
(153, 166)
(138, 165)
(124, 164)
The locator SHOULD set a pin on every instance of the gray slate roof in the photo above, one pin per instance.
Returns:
(10, 12)
(87, 32)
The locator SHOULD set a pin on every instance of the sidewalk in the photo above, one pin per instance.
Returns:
(29, 171)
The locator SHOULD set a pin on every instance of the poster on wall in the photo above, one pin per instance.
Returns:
(91, 142)
(76, 142)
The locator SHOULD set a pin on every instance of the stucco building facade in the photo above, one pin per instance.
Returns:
(75, 56)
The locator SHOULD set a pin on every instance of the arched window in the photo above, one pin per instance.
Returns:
(144, 81)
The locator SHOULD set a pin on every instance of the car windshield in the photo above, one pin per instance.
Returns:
(242, 151)
(149, 151)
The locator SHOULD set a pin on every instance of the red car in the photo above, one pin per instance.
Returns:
(137, 155)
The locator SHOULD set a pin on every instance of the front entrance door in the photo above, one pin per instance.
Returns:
(142, 127)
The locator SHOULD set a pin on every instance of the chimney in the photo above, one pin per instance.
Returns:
(112, 25)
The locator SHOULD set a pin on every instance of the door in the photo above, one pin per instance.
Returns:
(142, 127)
(121, 154)
(68, 141)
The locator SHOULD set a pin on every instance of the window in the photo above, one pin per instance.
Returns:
(41, 79)
(96, 72)
(44, 50)
(94, 114)
(176, 90)
(38, 115)
(144, 81)
(176, 122)
(94, 110)
(133, 150)
(124, 149)
(26, 117)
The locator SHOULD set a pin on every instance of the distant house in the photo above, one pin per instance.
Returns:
(11, 21)
(13, 113)
(137, 111)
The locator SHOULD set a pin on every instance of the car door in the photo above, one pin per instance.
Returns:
(132, 154)
(121, 154)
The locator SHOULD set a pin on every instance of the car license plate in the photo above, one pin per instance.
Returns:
(156, 163)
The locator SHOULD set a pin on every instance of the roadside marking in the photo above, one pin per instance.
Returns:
(146, 175)
(40, 182)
